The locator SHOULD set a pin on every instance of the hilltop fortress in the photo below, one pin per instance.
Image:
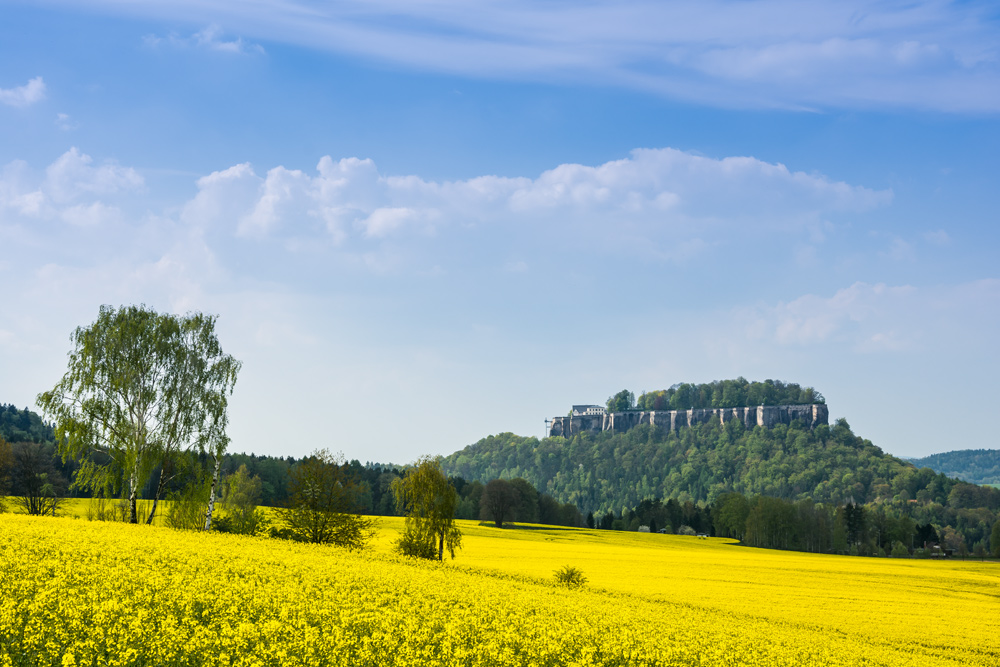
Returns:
(596, 418)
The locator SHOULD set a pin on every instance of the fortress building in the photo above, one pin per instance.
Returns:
(595, 418)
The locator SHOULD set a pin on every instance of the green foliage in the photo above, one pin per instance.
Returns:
(499, 502)
(37, 487)
(6, 465)
(322, 504)
(240, 515)
(24, 426)
(141, 388)
(978, 466)
(570, 576)
(729, 515)
(995, 539)
(603, 472)
(899, 550)
(429, 501)
(414, 545)
(785, 483)
(187, 507)
(103, 509)
(736, 393)
(621, 402)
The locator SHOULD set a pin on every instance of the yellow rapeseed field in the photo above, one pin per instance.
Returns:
(88, 593)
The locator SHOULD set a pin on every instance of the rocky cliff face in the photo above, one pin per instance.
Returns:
(767, 416)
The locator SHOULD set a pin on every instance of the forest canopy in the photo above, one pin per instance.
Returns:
(738, 393)
(23, 426)
(978, 466)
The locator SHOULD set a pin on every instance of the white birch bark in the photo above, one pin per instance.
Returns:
(132, 510)
(211, 495)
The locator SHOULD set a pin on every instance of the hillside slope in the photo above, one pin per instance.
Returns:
(976, 466)
(603, 472)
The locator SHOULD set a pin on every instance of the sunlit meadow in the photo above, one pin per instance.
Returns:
(76, 592)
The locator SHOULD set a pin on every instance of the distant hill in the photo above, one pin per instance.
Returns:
(605, 471)
(23, 426)
(976, 466)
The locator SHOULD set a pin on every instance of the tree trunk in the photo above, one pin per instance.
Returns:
(152, 512)
(132, 508)
(156, 498)
(211, 494)
(441, 547)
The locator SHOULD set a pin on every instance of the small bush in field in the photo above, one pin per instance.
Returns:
(570, 576)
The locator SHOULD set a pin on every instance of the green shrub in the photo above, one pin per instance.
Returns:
(570, 576)
(412, 544)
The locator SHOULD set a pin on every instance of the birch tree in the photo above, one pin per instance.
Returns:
(429, 501)
(141, 388)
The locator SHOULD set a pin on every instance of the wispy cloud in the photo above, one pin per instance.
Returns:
(876, 318)
(66, 123)
(736, 53)
(26, 95)
(210, 38)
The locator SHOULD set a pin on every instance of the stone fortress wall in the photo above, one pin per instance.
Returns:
(767, 416)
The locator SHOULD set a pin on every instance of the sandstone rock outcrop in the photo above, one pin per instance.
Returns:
(767, 416)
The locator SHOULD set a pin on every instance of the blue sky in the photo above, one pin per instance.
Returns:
(421, 223)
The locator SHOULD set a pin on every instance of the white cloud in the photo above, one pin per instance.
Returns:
(73, 175)
(280, 198)
(512, 277)
(223, 196)
(17, 191)
(72, 189)
(384, 221)
(812, 319)
(90, 215)
(662, 194)
(26, 95)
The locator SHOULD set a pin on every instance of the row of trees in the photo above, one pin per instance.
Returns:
(738, 393)
(671, 516)
(877, 529)
(145, 398)
(774, 523)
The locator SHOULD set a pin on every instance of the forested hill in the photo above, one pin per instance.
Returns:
(606, 471)
(23, 426)
(978, 466)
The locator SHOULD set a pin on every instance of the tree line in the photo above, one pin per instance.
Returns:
(613, 473)
(877, 529)
(141, 414)
(36, 476)
(738, 393)
(23, 426)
